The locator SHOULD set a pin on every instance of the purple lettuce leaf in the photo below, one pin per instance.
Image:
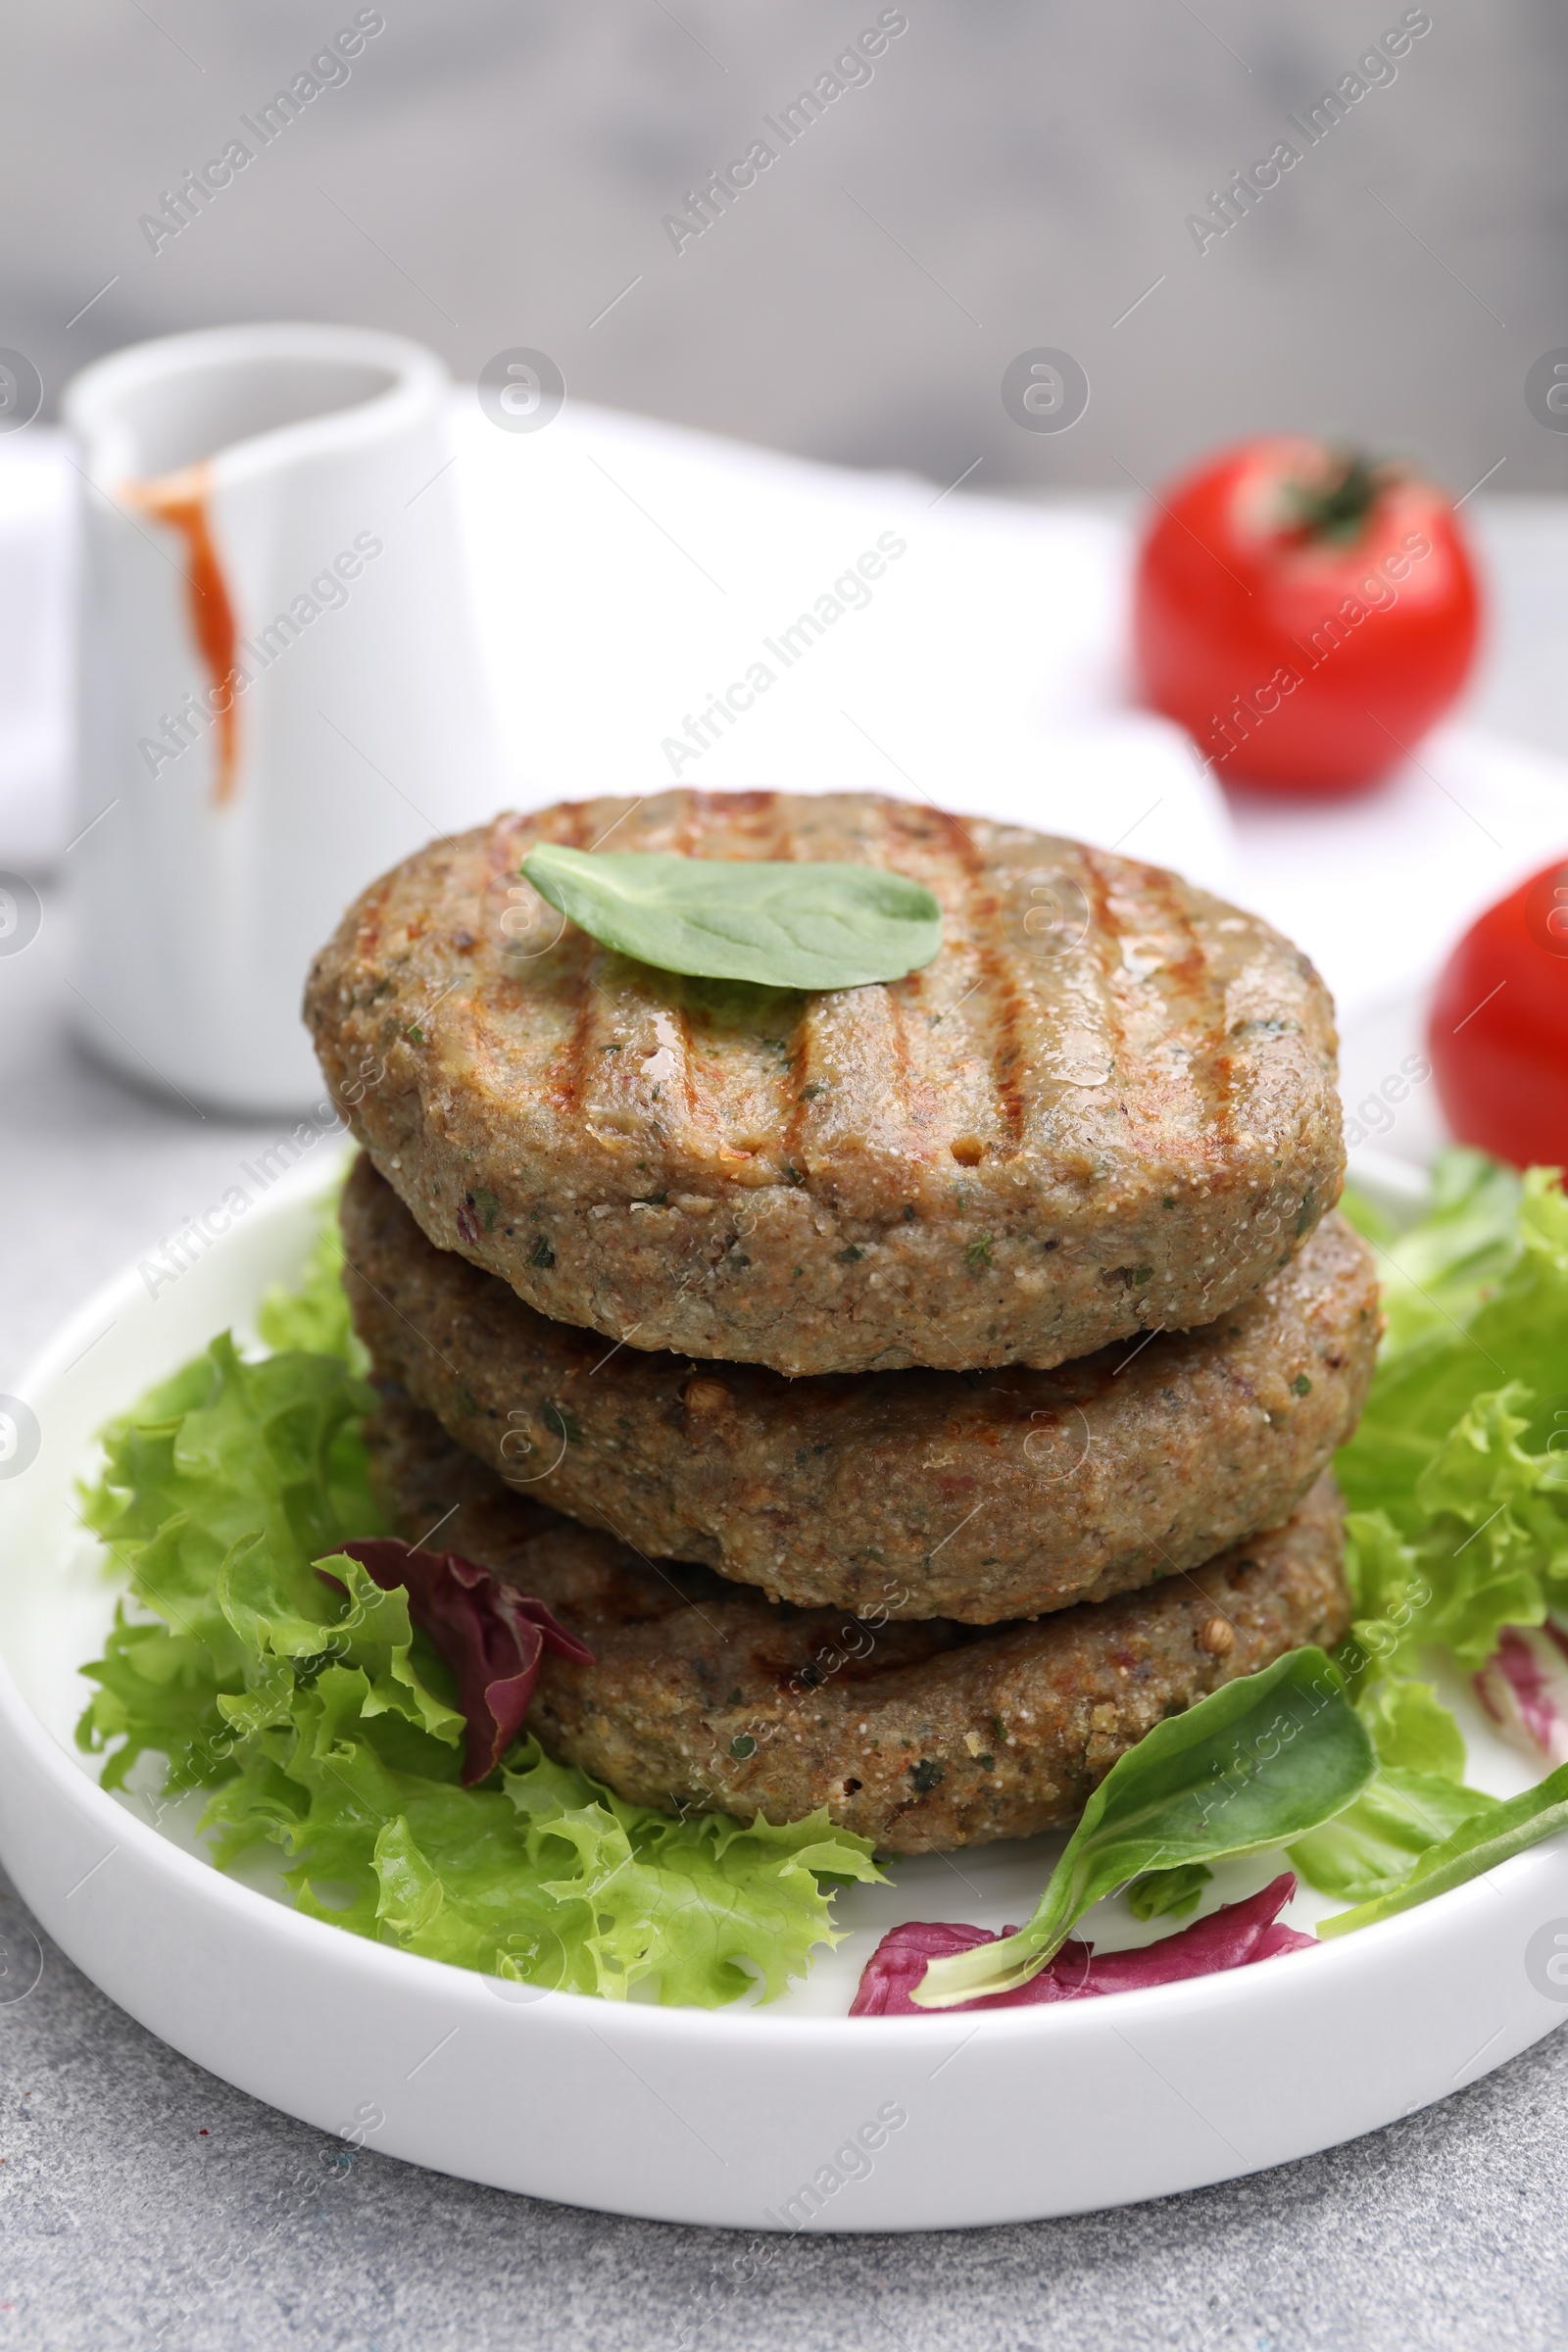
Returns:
(1524, 1689)
(492, 1637)
(1233, 1937)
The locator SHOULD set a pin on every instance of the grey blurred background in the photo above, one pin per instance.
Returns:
(1014, 173)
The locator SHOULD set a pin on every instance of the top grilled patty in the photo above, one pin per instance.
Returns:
(1107, 1106)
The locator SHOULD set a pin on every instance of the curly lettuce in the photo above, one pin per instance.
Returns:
(313, 1312)
(1457, 1476)
(321, 1721)
(1441, 1267)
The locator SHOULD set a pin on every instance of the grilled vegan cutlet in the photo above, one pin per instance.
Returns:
(921, 1736)
(976, 1495)
(1108, 1106)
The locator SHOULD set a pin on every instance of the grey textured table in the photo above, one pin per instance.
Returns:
(144, 2203)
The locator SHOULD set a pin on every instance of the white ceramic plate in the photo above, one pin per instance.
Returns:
(759, 2119)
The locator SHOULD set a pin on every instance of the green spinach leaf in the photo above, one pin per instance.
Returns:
(1168, 1893)
(784, 925)
(1256, 1763)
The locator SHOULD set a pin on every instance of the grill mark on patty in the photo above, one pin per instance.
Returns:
(792, 1076)
(998, 965)
(567, 1078)
(684, 831)
(763, 1095)
(998, 1005)
(895, 1110)
(1165, 968)
(794, 1104)
(1107, 932)
(721, 1087)
(752, 825)
(904, 1077)
(1080, 1034)
(972, 1005)
(564, 1080)
(1210, 1066)
(702, 1101)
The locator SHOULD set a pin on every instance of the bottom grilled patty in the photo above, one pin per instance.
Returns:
(921, 1734)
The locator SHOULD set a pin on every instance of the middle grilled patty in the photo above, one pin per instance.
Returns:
(983, 1497)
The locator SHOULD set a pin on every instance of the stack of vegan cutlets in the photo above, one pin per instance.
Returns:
(911, 1392)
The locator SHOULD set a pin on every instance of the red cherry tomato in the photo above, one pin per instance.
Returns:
(1306, 616)
(1499, 1034)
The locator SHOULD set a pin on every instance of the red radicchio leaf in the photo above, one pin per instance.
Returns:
(1524, 1688)
(1232, 1936)
(493, 1638)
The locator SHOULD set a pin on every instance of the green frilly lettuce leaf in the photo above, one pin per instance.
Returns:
(1437, 1272)
(1458, 1524)
(1458, 1476)
(313, 1312)
(321, 1721)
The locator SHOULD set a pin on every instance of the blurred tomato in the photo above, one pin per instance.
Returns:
(1306, 616)
(1498, 1036)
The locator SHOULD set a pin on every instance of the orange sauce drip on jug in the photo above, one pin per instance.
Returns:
(179, 500)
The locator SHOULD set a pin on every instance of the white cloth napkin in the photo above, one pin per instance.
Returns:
(628, 574)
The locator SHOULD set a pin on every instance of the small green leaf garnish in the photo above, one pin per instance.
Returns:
(799, 924)
(1492, 1835)
(1259, 1761)
(1373, 1846)
(1168, 1893)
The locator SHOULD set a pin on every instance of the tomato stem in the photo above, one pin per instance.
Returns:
(1336, 506)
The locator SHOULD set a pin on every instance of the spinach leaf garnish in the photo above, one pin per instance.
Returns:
(1258, 1762)
(797, 924)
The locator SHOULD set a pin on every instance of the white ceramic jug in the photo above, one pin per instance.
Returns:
(281, 684)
